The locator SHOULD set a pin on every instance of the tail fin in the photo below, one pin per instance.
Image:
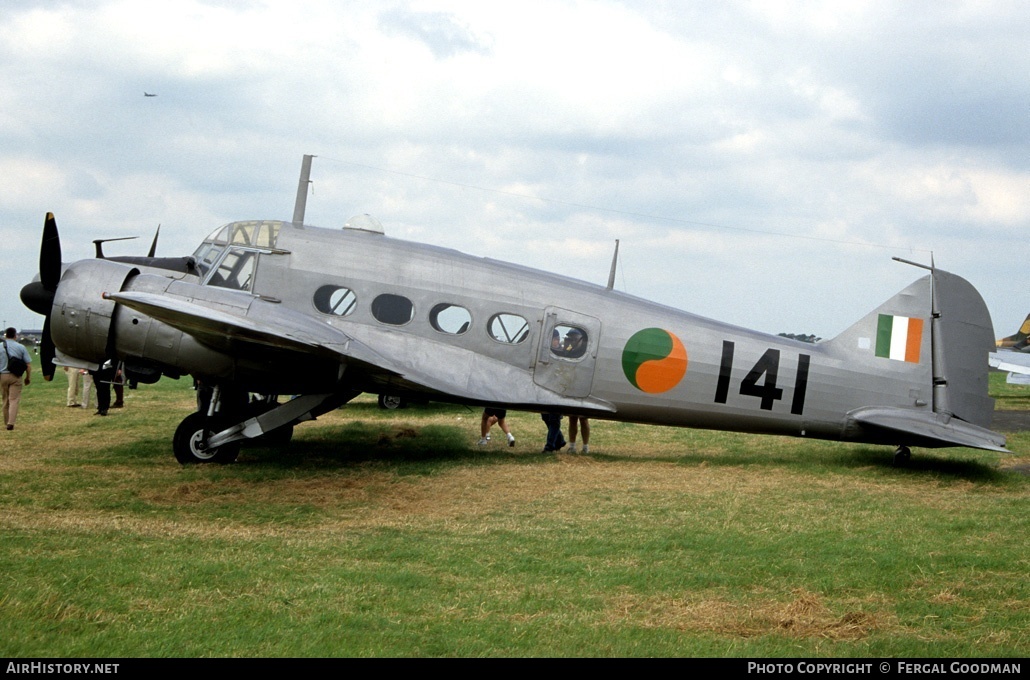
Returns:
(1020, 339)
(936, 334)
(963, 337)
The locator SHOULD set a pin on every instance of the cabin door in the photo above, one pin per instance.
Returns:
(568, 352)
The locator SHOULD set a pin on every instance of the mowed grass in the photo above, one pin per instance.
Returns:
(392, 534)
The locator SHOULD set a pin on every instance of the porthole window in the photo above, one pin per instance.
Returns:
(395, 310)
(448, 318)
(335, 300)
(568, 342)
(511, 329)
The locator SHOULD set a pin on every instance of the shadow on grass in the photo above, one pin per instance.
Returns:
(826, 459)
(408, 448)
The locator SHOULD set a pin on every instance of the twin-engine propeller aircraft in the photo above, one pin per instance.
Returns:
(275, 307)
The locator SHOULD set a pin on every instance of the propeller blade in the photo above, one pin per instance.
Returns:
(47, 352)
(50, 254)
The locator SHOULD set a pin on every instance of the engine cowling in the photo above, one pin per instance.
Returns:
(81, 319)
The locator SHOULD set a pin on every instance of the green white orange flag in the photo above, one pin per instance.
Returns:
(899, 337)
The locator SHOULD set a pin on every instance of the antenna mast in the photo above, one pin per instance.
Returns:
(615, 261)
(302, 191)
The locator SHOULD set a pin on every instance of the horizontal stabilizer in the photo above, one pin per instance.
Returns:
(927, 428)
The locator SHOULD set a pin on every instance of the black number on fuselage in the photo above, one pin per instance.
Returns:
(800, 385)
(723, 388)
(769, 367)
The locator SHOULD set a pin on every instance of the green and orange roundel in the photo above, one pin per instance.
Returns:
(654, 360)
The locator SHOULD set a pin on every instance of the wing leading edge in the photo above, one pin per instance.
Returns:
(453, 371)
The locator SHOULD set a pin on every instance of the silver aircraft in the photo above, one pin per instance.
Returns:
(277, 307)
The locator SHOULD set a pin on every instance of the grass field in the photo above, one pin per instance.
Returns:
(392, 534)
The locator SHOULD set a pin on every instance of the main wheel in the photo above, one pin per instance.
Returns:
(190, 442)
(390, 402)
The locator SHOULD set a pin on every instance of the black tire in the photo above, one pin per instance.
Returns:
(188, 442)
(278, 438)
(390, 402)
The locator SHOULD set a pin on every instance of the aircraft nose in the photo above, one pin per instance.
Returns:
(36, 297)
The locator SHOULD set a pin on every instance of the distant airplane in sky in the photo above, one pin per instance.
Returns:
(147, 94)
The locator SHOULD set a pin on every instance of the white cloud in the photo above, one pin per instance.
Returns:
(797, 130)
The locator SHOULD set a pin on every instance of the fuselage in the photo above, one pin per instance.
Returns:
(713, 375)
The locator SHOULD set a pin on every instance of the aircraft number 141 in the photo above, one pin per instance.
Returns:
(766, 390)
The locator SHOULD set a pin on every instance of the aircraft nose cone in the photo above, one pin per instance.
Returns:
(37, 298)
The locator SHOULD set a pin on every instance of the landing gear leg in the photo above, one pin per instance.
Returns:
(901, 456)
(190, 443)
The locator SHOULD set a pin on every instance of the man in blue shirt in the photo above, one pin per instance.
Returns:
(9, 382)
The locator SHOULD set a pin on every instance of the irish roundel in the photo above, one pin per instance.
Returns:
(654, 360)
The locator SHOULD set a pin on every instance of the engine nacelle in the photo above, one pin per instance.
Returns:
(80, 321)
(167, 349)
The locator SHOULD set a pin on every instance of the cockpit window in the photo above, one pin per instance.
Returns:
(568, 342)
(236, 270)
(511, 329)
(256, 233)
(252, 234)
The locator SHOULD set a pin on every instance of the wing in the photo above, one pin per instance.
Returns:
(1013, 362)
(1016, 363)
(420, 364)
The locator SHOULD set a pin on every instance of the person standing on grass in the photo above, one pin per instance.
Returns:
(102, 379)
(73, 399)
(11, 380)
(491, 416)
(581, 423)
(555, 439)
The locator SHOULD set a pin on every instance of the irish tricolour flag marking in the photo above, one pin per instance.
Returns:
(899, 337)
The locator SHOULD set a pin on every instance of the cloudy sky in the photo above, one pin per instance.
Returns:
(761, 162)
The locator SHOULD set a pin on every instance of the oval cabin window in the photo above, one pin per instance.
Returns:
(511, 329)
(395, 310)
(451, 319)
(335, 300)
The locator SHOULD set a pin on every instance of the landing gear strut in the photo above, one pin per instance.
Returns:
(215, 436)
(901, 456)
(190, 443)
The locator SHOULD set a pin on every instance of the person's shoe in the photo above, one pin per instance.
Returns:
(100, 413)
(484, 441)
(10, 427)
(572, 448)
(74, 405)
(511, 440)
(117, 404)
(586, 449)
